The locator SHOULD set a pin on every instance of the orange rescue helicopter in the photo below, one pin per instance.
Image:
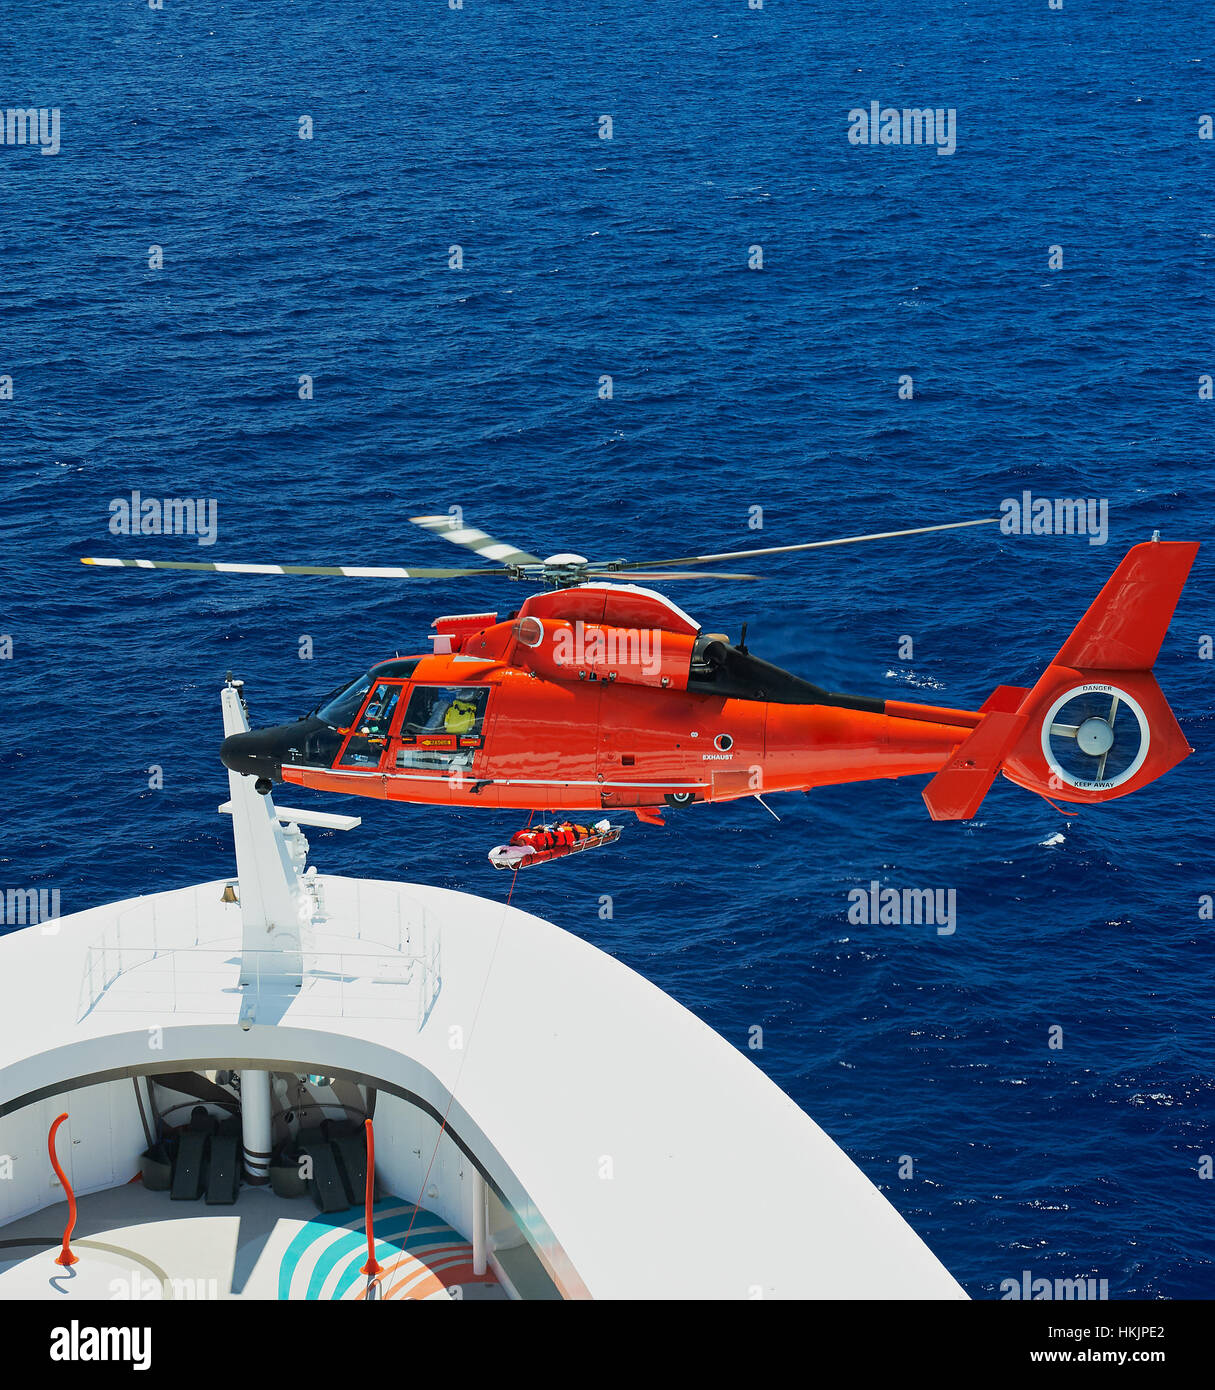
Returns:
(603, 696)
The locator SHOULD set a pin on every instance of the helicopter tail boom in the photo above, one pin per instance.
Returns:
(1096, 724)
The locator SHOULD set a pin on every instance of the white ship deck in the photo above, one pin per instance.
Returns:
(132, 1244)
(614, 1121)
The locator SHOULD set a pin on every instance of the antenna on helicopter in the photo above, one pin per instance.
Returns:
(742, 640)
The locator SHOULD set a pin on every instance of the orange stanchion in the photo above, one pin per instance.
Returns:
(372, 1267)
(65, 1256)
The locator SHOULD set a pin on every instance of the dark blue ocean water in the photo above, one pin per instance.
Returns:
(733, 388)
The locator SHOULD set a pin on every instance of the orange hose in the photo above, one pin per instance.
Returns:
(65, 1256)
(372, 1267)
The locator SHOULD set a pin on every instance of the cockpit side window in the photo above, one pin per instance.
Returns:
(369, 737)
(380, 709)
(443, 727)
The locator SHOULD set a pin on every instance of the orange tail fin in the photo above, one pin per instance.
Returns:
(1095, 725)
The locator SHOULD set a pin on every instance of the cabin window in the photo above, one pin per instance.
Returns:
(369, 737)
(443, 727)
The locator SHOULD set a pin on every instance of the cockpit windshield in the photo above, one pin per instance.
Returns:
(341, 709)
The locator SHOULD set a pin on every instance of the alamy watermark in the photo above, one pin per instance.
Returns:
(136, 1288)
(912, 125)
(589, 647)
(1027, 1287)
(1028, 515)
(167, 516)
(81, 1342)
(27, 907)
(31, 125)
(876, 905)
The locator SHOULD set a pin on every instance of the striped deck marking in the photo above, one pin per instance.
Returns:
(476, 540)
(321, 1247)
(408, 1277)
(339, 1262)
(324, 1259)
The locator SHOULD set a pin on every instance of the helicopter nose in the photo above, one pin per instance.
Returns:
(262, 752)
(256, 754)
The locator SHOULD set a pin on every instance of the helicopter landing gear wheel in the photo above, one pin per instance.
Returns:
(263, 786)
(679, 799)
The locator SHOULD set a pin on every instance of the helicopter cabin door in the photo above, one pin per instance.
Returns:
(441, 734)
(367, 741)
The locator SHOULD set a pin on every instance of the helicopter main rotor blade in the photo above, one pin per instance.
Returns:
(477, 540)
(630, 565)
(664, 575)
(344, 571)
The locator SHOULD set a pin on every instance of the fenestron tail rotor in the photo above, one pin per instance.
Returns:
(1095, 738)
(510, 562)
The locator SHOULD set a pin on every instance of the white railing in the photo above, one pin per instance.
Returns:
(155, 954)
(387, 918)
(140, 933)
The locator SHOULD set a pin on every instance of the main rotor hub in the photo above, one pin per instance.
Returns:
(565, 569)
